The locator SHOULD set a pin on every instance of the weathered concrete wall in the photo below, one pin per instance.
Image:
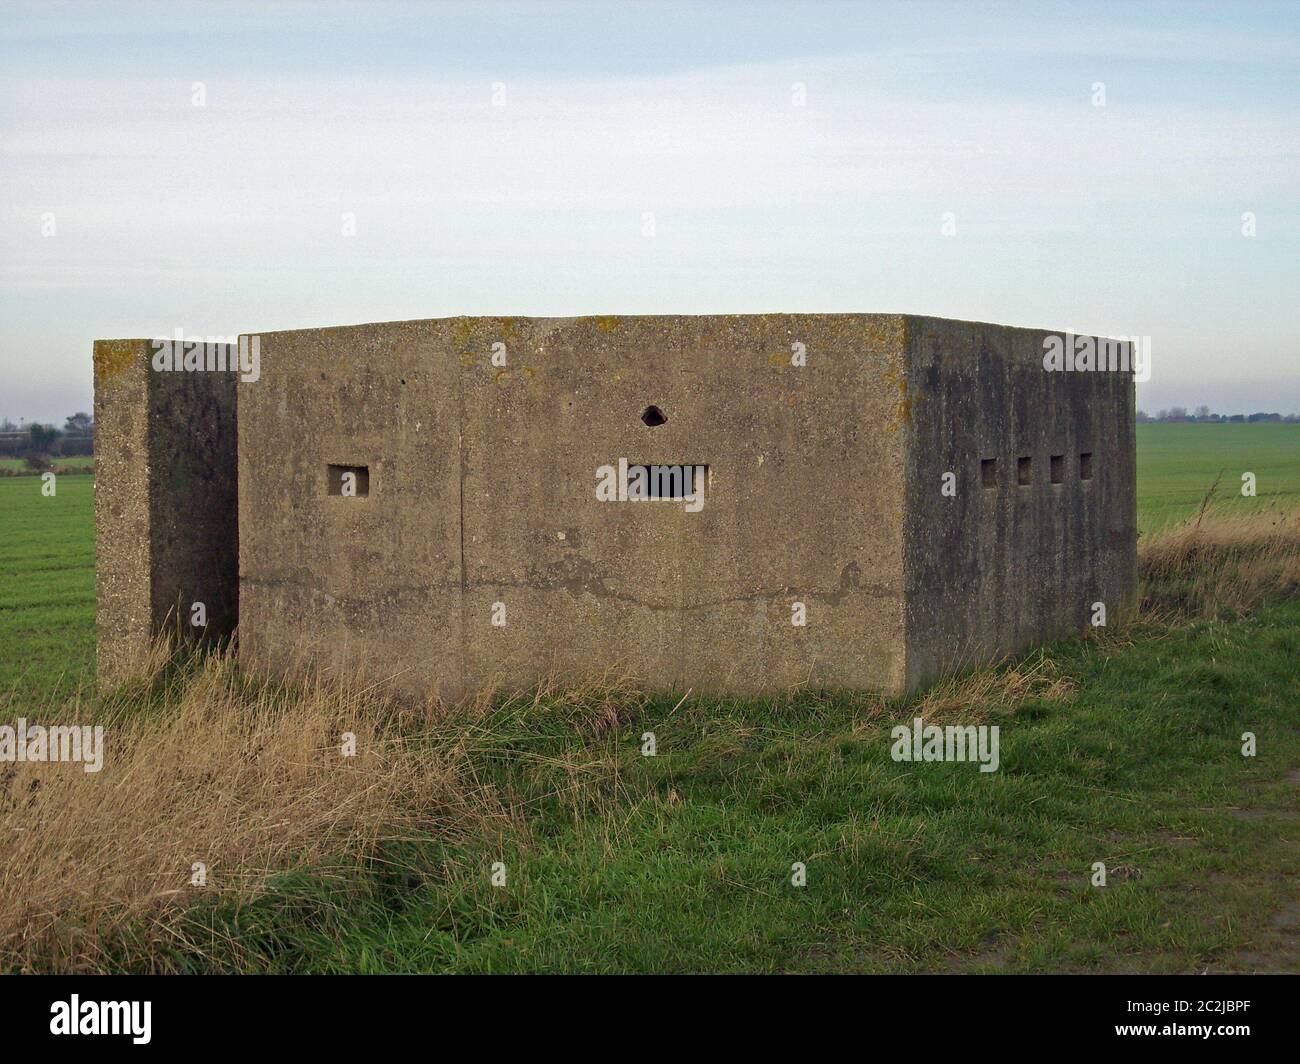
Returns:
(482, 490)
(123, 567)
(997, 568)
(166, 513)
(369, 585)
(476, 444)
(806, 466)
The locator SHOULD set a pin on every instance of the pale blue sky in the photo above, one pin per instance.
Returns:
(1121, 219)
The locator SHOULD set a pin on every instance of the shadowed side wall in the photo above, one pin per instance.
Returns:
(1003, 565)
(194, 507)
(166, 513)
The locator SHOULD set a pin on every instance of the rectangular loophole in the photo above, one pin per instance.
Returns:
(989, 472)
(349, 481)
(1024, 470)
(1058, 469)
(1085, 465)
(667, 483)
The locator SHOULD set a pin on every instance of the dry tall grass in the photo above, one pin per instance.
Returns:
(97, 868)
(972, 697)
(1217, 563)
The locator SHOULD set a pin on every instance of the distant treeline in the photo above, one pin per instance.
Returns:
(77, 434)
(76, 437)
(1202, 413)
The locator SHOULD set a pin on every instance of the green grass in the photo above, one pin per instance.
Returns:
(75, 461)
(1178, 463)
(47, 587)
(681, 862)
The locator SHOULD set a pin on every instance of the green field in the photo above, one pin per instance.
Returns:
(47, 586)
(1125, 751)
(1177, 464)
(76, 461)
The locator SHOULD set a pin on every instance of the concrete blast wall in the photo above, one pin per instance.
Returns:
(427, 503)
(166, 504)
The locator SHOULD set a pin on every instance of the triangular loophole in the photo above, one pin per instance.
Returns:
(653, 416)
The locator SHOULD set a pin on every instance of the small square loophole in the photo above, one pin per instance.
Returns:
(1058, 469)
(989, 472)
(1024, 470)
(1085, 465)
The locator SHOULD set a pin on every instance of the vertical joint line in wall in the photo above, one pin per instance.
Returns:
(460, 493)
(460, 483)
(907, 448)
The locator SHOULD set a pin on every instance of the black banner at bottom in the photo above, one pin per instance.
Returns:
(1221, 1013)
